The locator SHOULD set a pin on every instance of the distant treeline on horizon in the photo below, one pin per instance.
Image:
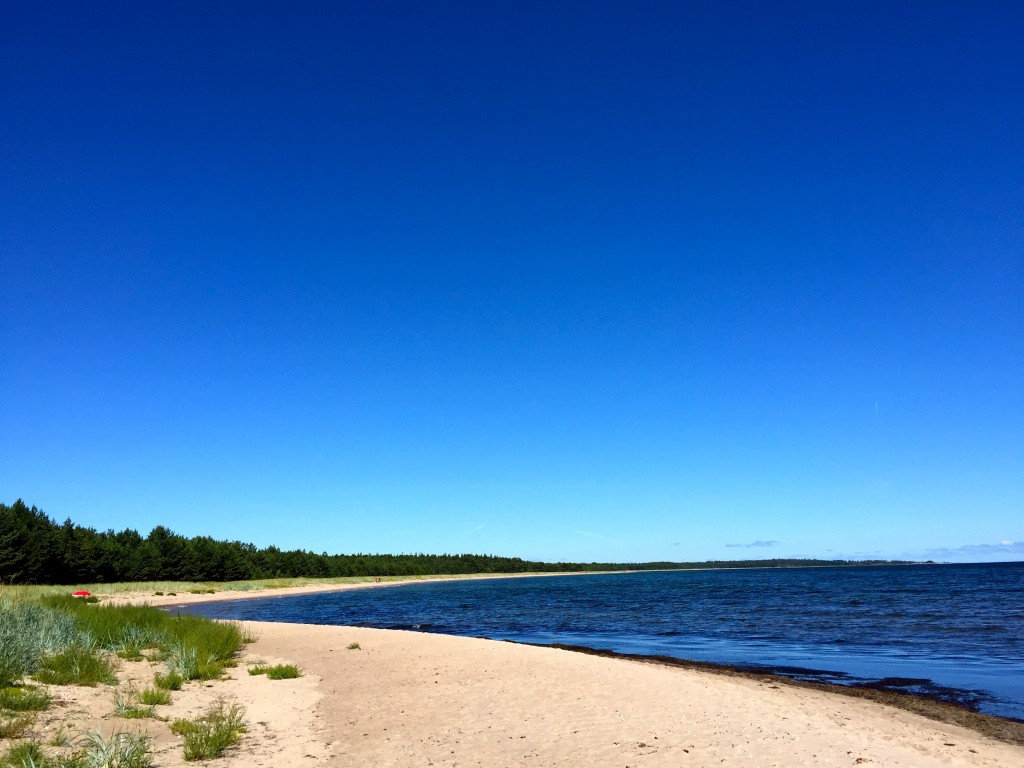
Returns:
(36, 550)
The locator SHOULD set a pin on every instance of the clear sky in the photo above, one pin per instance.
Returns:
(585, 281)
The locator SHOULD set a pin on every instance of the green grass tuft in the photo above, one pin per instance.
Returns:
(121, 750)
(60, 738)
(76, 666)
(284, 672)
(13, 726)
(212, 733)
(354, 647)
(278, 672)
(29, 631)
(128, 706)
(28, 754)
(153, 696)
(24, 699)
(169, 682)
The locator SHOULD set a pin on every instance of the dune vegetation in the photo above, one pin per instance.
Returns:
(55, 640)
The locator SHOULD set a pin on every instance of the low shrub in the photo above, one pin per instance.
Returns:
(212, 733)
(354, 647)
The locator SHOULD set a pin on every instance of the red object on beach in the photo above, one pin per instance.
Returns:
(81, 593)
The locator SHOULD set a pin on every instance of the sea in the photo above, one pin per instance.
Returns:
(950, 632)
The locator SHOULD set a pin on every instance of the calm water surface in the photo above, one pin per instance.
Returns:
(951, 631)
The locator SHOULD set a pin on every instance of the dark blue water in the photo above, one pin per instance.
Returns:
(949, 631)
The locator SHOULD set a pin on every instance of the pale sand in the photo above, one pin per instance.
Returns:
(188, 598)
(414, 699)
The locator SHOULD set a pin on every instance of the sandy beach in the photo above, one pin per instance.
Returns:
(414, 699)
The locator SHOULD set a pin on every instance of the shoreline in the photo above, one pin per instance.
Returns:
(169, 601)
(405, 698)
(929, 704)
(230, 594)
(1008, 729)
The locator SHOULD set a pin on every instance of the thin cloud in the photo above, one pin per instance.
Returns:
(1005, 547)
(758, 543)
(477, 528)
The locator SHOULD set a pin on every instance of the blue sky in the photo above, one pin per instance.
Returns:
(582, 281)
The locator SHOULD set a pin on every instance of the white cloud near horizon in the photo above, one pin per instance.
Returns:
(757, 543)
(1005, 547)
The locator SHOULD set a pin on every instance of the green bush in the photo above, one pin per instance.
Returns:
(212, 733)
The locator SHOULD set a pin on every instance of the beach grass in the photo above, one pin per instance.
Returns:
(76, 665)
(28, 754)
(119, 750)
(168, 682)
(153, 696)
(63, 641)
(209, 735)
(14, 725)
(24, 699)
(127, 704)
(28, 632)
(277, 672)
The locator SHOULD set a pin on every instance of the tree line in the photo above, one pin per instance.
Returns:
(36, 550)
